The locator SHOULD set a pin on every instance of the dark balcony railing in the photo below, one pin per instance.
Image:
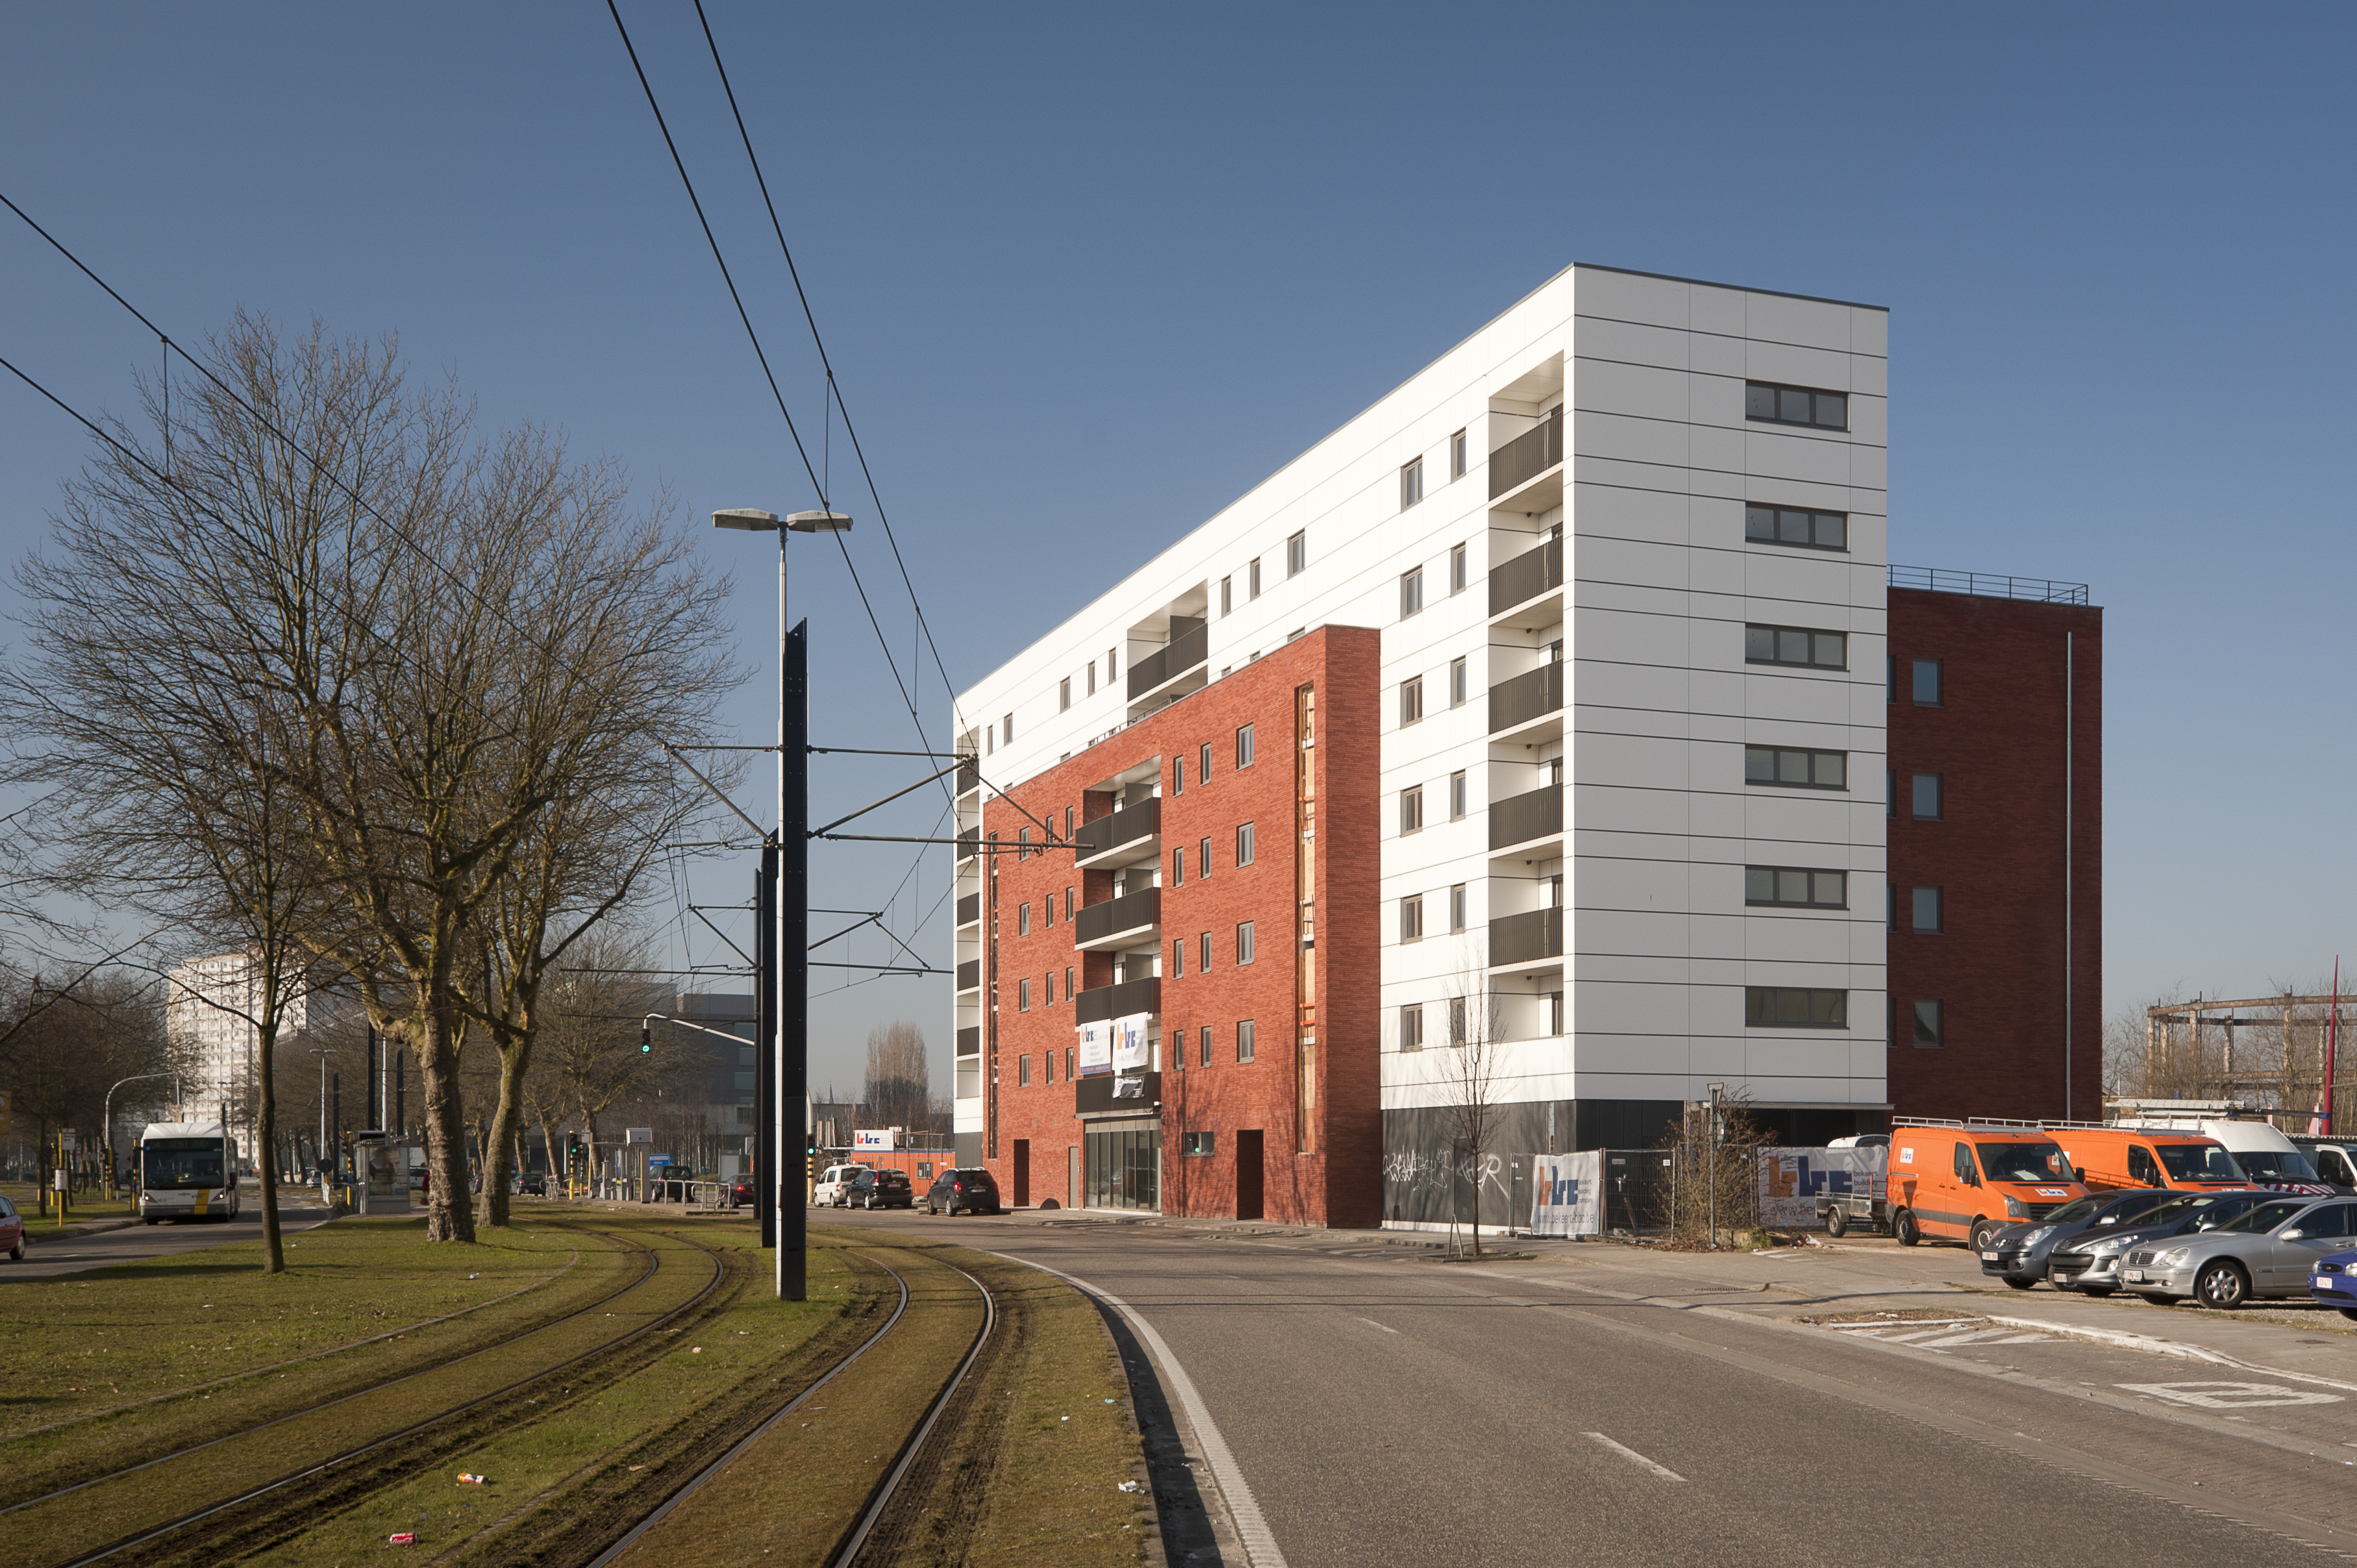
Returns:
(1526, 577)
(1186, 648)
(1133, 1092)
(969, 909)
(1518, 819)
(969, 1041)
(1527, 456)
(1136, 911)
(969, 974)
(969, 774)
(1099, 1003)
(1526, 696)
(969, 843)
(1525, 939)
(1130, 825)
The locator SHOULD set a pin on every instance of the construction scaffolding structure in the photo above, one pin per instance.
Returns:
(2272, 1054)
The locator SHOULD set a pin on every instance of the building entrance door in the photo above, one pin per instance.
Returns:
(1022, 1172)
(1248, 1174)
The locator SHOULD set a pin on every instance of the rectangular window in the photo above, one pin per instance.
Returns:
(1251, 579)
(1203, 859)
(1203, 763)
(1023, 1069)
(1048, 910)
(1889, 794)
(1411, 483)
(1457, 793)
(1927, 682)
(1023, 921)
(1010, 726)
(1243, 843)
(1047, 1066)
(1890, 905)
(1795, 887)
(1457, 680)
(1177, 775)
(1243, 943)
(1296, 554)
(1890, 679)
(1411, 592)
(1205, 1060)
(1411, 918)
(1068, 892)
(1794, 1007)
(1068, 985)
(1245, 1040)
(1092, 677)
(1797, 646)
(1792, 768)
(1457, 569)
(1023, 994)
(1412, 809)
(1178, 867)
(1203, 951)
(1064, 696)
(1775, 405)
(1198, 1142)
(1927, 911)
(1112, 664)
(1412, 1027)
(1227, 596)
(1796, 525)
(1930, 1027)
(1926, 797)
(1178, 958)
(1067, 1064)
(1457, 1020)
(1457, 908)
(1459, 454)
(1244, 746)
(1023, 848)
(1411, 700)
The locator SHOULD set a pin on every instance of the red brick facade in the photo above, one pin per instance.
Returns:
(1321, 1172)
(1997, 853)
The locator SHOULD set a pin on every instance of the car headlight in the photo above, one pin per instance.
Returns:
(2016, 1209)
(2175, 1258)
(2109, 1246)
(2037, 1236)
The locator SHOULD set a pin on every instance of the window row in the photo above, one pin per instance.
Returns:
(1297, 561)
(1178, 945)
(1460, 1018)
(1411, 692)
(1795, 768)
(1411, 474)
(1411, 582)
(1411, 914)
(1179, 1040)
(1411, 803)
(1797, 646)
(1809, 529)
(1795, 887)
(1772, 402)
(1204, 856)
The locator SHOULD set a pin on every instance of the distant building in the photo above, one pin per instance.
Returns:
(726, 1081)
(208, 1019)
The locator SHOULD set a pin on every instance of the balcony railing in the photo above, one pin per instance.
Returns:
(969, 909)
(1518, 819)
(1526, 937)
(1182, 653)
(969, 1041)
(1099, 1003)
(1527, 456)
(1526, 696)
(1526, 577)
(1988, 584)
(1128, 828)
(1101, 1093)
(969, 974)
(969, 843)
(1138, 911)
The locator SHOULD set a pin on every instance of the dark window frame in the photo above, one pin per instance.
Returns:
(1778, 872)
(1915, 910)
(1776, 644)
(1780, 782)
(1816, 518)
(1939, 812)
(1771, 1000)
(1932, 1036)
(1916, 667)
(1779, 389)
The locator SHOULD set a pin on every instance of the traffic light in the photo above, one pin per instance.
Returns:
(646, 1036)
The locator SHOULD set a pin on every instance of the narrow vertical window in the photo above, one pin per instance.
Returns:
(1010, 726)
(1023, 1070)
(1411, 592)
(1227, 596)
(1457, 793)
(1459, 454)
(1410, 809)
(1457, 1021)
(1456, 683)
(1023, 921)
(1178, 869)
(1245, 1040)
(1177, 775)
(1457, 908)
(1251, 579)
(1296, 554)
(1112, 664)
(1068, 991)
(1244, 746)
(1203, 859)
(1205, 1060)
(1412, 1027)
(1203, 953)
(1092, 677)
(1931, 1028)
(1178, 958)
(1243, 843)
(1411, 700)
(1411, 483)
(1457, 569)
(1064, 696)
(1244, 943)
(1023, 995)
(1927, 806)
(1203, 763)
(1411, 919)
(1927, 911)
(1926, 683)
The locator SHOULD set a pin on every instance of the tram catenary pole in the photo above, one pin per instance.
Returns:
(765, 1035)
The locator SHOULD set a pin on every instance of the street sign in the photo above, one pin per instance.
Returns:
(658, 1159)
(68, 1136)
(638, 1135)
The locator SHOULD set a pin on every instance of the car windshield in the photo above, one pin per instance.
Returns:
(2262, 1218)
(2024, 1161)
(183, 1163)
(2272, 1165)
(2198, 1162)
(2136, 1208)
(2077, 1210)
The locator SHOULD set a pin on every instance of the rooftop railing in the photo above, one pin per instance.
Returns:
(1988, 584)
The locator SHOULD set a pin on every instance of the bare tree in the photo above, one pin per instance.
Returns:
(586, 1061)
(1469, 1067)
(73, 1048)
(1715, 1171)
(898, 1088)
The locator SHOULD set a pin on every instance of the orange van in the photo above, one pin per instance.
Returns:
(2111, 1157)
(1958, 1182)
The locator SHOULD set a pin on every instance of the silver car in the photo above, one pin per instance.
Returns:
(2264, 1252)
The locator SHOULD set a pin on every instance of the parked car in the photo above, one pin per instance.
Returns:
(2335, 1161)
(881, 1189)
(1963, 1182)
(833, 1184)
(2268, 1251)
(2333, 1280)
(12, 1231)
(2018, 1254)
(968, 1188)
(2090, 1263)
(741, 1192)
(533, 1185)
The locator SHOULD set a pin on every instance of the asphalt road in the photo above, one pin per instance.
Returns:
(47, 1259)
(1396, 1410)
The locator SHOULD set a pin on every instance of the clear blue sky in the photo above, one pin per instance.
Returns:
(1087, 273)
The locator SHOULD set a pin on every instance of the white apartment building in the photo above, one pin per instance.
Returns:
(208, 1014)
(1625, 546)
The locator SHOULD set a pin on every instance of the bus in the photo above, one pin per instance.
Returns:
(187, 1170)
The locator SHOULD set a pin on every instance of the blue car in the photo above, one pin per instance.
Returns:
(2333, 1279)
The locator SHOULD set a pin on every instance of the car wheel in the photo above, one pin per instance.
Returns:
(2017, 1283)
(1836, 1223)
(17, 1255)
(2223, 1286)
(1982, 1230)
(1903, 1226)
(2348, 1312)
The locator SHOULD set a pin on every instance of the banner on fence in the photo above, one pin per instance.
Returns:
(1791, 1180)
(1568, 1194)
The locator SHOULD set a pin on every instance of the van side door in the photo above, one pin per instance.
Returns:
(2143, 1169)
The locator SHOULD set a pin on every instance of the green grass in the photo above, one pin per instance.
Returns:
(79, 1207)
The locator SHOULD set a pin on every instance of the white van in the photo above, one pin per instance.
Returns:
(2266, 1156)
(834, 1185)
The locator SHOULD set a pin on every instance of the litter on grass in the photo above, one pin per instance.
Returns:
(402, 1538)
(1129, 1487)
(467, 1478)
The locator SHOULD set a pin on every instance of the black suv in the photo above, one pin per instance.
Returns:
(879, 1189)
(970, 1188)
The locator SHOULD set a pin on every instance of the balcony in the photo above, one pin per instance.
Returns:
(969, 909)
(1100, 1003)
(1527, 456)
(1133, 918)
(1526, 937)
(1127, 836)
(969, 1041)
(970, 974)
(1526, 577)
(969, 773)
(1118, 1093)
(969, 843)
(1518, 819)
(1180, 654)
(1516, 702)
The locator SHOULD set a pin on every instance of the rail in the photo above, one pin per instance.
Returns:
(1988, 584)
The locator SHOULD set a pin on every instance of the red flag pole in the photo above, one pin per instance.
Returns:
(2331, 1044)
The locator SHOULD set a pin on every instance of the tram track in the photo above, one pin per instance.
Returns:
(279, 1505)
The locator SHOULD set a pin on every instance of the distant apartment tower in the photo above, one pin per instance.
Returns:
(1536, 702)
(209, 1017)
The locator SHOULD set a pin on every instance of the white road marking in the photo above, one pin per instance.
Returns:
(1664, 1471)
(1372, 1324)
(2229, 1396)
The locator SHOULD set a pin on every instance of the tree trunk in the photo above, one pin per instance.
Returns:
(449, 1202)
(499, 1144)
(266, 1138)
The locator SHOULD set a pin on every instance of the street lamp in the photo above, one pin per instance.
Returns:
(784, 1078)
(106, 1118)
(320, 1151)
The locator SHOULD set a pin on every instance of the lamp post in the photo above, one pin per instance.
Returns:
(780, 1160)
(107, 1121)
(320, 1150)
